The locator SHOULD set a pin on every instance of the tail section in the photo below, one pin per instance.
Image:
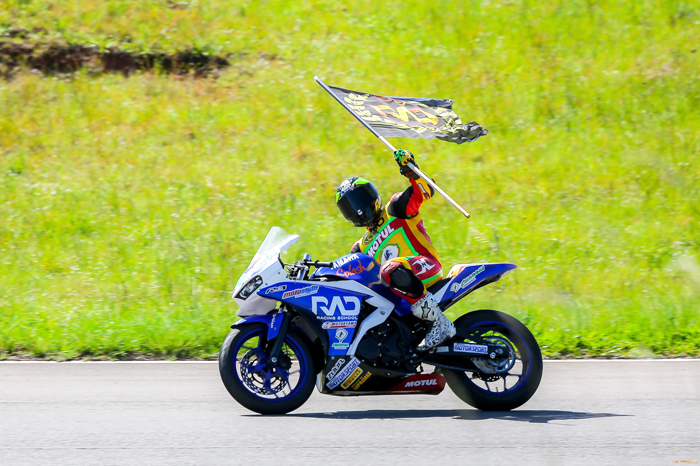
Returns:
(465, 278)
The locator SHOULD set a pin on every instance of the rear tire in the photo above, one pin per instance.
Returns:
(240, 379)
(498, 323)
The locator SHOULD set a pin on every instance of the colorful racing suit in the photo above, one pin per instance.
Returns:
(398, 241)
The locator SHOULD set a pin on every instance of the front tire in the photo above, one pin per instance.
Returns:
(254, 382)
(474, 388)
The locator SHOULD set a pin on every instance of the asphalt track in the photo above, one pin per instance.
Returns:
(585, 413)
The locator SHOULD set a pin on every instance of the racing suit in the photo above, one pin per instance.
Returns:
(409, 262)
(398, 240)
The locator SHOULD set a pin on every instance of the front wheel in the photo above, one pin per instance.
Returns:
(502, 385)
(256, 383)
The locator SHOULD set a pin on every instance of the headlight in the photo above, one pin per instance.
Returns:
(250, 287)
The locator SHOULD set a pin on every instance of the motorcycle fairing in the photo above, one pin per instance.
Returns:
(337, 309)
(431, 384)
(346, 376)
(363, 269)
(465, 278)
(358, 267)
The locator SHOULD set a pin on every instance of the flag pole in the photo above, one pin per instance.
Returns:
(392, 148)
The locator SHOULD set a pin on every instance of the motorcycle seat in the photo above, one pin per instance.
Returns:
(438, 286)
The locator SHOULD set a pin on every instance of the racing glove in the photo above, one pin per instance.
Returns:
(403, 157)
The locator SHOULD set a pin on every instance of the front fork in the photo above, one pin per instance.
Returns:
(279, 341)
(277, 327)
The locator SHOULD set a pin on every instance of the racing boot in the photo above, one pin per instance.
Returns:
(441, 328)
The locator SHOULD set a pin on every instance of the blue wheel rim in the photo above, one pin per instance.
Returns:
(254, 371)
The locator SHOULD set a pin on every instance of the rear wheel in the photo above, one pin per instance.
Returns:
(501, 384)
(256, 383)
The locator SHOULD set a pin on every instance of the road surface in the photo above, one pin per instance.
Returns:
(585, 413)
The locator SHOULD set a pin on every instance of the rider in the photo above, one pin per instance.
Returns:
(397, 239)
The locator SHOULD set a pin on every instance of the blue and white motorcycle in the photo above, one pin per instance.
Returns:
(341, 329)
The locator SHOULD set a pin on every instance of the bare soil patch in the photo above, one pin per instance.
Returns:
(19, 49)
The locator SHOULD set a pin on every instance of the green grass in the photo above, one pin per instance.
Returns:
(130, 206)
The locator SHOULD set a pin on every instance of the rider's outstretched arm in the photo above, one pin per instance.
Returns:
(407, 204)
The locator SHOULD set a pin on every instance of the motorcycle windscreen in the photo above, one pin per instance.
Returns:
(276, 241)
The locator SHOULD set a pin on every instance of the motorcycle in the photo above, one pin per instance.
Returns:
(341, 329)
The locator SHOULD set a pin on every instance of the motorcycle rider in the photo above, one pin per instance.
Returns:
(397, 239)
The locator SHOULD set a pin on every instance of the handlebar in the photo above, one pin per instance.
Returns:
(317, 264)
(300, 269)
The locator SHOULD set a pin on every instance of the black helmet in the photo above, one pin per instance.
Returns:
(358, 201)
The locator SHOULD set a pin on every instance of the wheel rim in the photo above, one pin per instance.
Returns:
(266, 381)
(518, 371)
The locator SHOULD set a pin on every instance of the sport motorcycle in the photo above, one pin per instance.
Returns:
(339, 328)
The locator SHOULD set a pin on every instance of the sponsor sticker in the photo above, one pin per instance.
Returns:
(424, 266)
(418, 382)
(348, 324)
(351, 271)
(421, 383)
(465, 348)
(362, 380)
(344, 373)
(381, 236)
(425, 193)
(390, 251)
(340, 334)
(298, 293)
(354, 376)
(276, 289)
(455, 287)
(336, 367)
(344, 260)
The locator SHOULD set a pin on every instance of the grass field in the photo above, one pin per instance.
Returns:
(130, 205)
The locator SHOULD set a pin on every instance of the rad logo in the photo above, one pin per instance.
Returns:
(381, 236)
(421, 383)
(467, 281)
(320, 303)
